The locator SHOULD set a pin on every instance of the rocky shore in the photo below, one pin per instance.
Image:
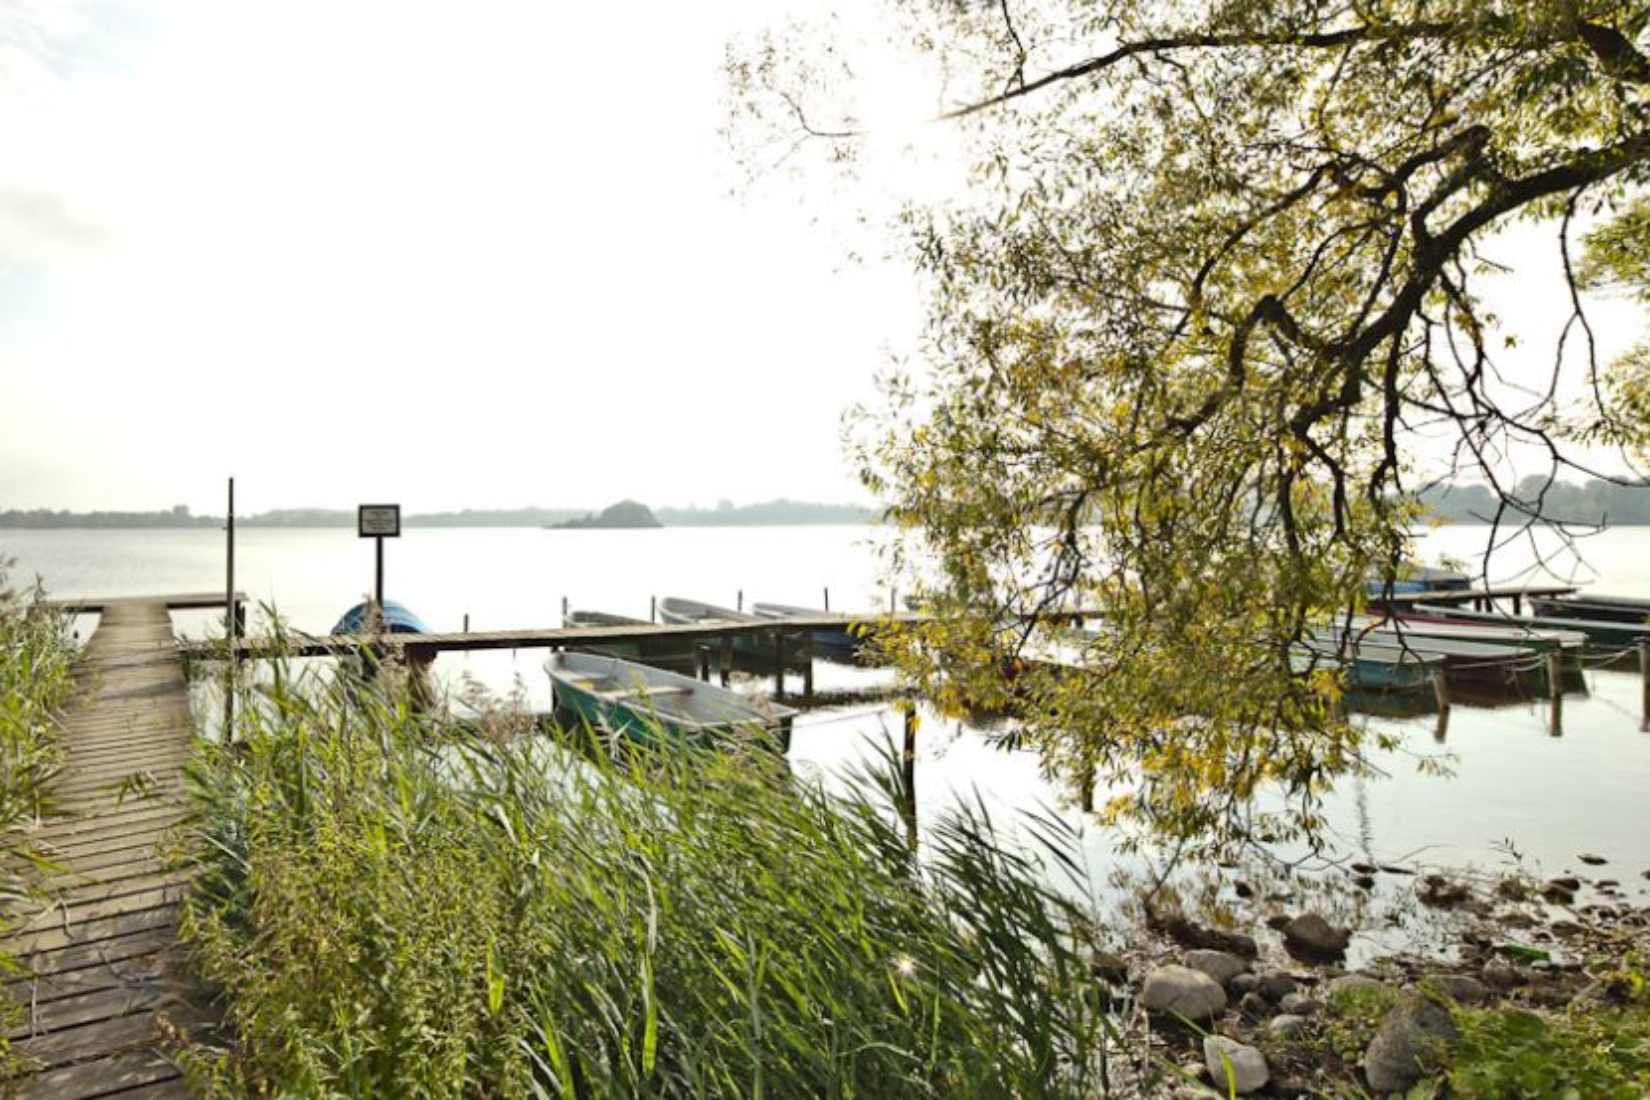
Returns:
(1281, 1014)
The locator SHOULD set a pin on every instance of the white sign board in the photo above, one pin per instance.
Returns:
(379, 521)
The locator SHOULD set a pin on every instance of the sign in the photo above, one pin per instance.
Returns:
(379, 521)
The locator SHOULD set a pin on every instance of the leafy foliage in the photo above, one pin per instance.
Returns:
(36, 657)
(1209, 303)
(395, 908)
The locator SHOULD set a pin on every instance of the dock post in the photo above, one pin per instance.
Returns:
(727, 660)
(808, 666)
(653, 609)
(827, 597)
(1440, 689)
(740, 597)
(704, 661)
(1644, 684)
(908, 771)
(564, 611)
(1555, 689)
(779, 664)
(230, 622)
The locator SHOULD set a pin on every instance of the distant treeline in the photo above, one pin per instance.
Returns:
(776, 512)
(1592, 502)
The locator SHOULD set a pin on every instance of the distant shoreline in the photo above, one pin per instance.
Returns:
(777, 513)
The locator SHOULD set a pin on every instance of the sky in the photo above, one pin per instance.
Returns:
(488, 254)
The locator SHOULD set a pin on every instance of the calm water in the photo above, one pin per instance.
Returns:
(1514, 784)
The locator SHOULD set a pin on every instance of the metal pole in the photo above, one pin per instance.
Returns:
(1644, 684)
(379, 586)
(231, 621)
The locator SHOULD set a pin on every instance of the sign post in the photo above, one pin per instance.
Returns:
(379, 522)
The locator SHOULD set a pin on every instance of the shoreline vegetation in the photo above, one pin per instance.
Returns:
(776, 513)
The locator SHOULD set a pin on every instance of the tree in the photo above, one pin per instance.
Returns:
(1216, 279)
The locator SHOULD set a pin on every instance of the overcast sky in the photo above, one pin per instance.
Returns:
(478, 254)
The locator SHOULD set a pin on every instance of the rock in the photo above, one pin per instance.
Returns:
(1189, 934)
(1254, 1006)
(1243, 889)
(1287, 1026)
(1407, 1045)
(1109, 968)
(1299, 1004)
(1246, 982)
(1222, 966)
(1364, 882)
(1364, 868)
(1441, 893)
(1462, 988)
(1182, 992)
(1501, 975)
(1275, 985)
(1557, 893)
(1235, 1066)
(1311, 937)
(1592, 860)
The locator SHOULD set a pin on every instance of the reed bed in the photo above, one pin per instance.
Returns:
(36, 660)
(393, 906)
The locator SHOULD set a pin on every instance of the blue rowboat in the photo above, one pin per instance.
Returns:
(655, 708)
(397, 620)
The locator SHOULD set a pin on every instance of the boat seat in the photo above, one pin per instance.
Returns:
(631, 693)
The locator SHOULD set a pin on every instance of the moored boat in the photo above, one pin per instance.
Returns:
(755, 645)
(393, 618)
(672, 653)
(1607, 609)
(839, 642)
(652, 707)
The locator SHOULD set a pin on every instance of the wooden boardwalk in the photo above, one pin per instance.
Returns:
(101, 953)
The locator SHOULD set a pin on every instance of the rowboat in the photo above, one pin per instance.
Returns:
(395, 618)
(835, 642)
(1608, 609)
(755, 645)
(1432, 626)
(1464, 661)
(1369, 664)
(1600, 633)
(1417, 579)
(672, 653)
(652, 707)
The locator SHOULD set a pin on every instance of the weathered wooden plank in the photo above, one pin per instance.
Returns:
(112, 952)
(109, 1003)
(116, 1075)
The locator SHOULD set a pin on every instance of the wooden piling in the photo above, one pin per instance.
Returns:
(727, 660)
(1644, 684)
(779, 664)
(807, 666)
(1555, 691)
(1440, 689)
(704, 662)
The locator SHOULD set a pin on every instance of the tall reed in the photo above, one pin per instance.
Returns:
(36, 657)
(393, 907)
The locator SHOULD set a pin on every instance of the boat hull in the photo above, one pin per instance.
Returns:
(658, 709)
(670, 654)
(755, 648)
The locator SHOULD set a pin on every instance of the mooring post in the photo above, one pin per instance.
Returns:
(231, 622)
(1555, 689)
(739, 605)
(827, 597)
(704, 661)
(564, 609)
(653, 609)
(808, 666)
(727, 660)
(1644, 684)
(1440, 689)
(779, 664)
(908, 770)
(466, 622)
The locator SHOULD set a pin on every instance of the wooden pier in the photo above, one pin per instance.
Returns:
(100, 992)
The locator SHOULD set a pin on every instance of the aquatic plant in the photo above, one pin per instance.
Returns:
(36, 656)
(392, 906)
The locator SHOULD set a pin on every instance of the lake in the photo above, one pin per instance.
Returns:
(1515, 788)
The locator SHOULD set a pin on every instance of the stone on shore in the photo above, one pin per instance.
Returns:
(1407, 1045)
(1311, 937)
(1234, 1065)
(1182, 992)
(1222, 966)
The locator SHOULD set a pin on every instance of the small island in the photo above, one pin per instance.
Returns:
(625, 514)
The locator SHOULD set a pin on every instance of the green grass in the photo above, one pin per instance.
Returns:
(394, 907)
(36, 657)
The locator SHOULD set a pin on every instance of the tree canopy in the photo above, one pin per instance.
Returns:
(1208, 318)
